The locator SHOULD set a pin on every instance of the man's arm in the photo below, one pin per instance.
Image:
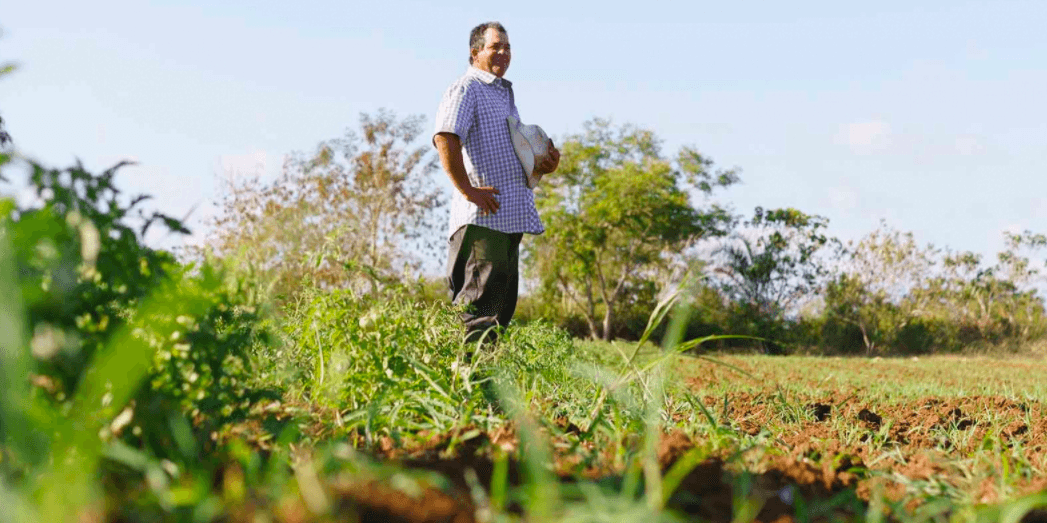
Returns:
(450, 148)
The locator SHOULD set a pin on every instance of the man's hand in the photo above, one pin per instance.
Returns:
(450, 148)
(551, 161)
(483, 197)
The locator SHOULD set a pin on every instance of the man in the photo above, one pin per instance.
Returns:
(492, 206)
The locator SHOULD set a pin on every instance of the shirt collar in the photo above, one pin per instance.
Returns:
(487, 77)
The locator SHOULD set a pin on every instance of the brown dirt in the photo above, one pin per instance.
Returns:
(706, 492)
(375, 501)
(832, 444)
(924, 433)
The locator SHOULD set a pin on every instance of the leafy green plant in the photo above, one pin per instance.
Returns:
(82, 266)
(58, 452)
(892, 296)
(623, 217)
(111, 341)
(201, 362)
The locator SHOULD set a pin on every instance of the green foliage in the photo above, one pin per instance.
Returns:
(769, 264)
(766, 268)
(865, 305)
(121, 343)
(350, 349)
(201, 362)
(630, 316)
(116, 362)
(857, 320)
(82, 267)
(623, 216)
(987, 305)
(893, 296)
(386, 360)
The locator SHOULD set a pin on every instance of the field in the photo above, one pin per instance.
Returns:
(134, 387)
(772, 438)
(364, 407)
(917, 430)
(547, 428)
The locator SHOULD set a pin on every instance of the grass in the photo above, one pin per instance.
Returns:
(943, 376)
(970, 419)
(363, 381)
(623, 396)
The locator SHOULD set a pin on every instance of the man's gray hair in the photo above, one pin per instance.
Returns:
(477, 38)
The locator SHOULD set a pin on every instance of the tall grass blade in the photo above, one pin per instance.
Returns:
(1016, 511)
(16, 426)
(676, 474)
(541, 486)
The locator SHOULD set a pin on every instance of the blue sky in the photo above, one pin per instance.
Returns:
(927, 114)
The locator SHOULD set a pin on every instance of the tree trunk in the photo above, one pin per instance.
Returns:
(593, 329)
(870, 347)
(590, 316)
(608, 320)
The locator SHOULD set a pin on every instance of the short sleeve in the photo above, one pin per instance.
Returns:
(512, 105)
(457, 111)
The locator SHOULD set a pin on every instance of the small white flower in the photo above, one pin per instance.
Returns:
(122, 420)
(46, 342)
(90, 242)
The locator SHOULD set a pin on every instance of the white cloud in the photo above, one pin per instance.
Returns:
(975, 51)
(968, 145)
(865, 137)
(844, 199)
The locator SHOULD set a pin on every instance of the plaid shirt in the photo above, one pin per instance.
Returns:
(475, 108)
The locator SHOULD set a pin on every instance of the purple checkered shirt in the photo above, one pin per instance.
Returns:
(475, 108)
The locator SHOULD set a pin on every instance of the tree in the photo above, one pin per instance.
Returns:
(768, 265)
(770, 262)
(5, 138)
(904, 297)
(344, 216)
(872, 289)
(994, 304)
(619, 215)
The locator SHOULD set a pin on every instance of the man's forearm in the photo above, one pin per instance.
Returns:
(450, 149)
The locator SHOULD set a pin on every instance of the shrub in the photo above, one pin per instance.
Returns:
(385, 359)
(84, 273)
(354, 213)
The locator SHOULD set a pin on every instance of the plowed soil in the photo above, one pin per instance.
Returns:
(840, 448)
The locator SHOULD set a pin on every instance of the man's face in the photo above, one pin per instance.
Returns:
(494, 57)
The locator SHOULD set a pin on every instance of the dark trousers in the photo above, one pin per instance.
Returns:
(484, 276)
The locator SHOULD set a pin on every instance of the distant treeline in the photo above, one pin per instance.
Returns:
(626, 225)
